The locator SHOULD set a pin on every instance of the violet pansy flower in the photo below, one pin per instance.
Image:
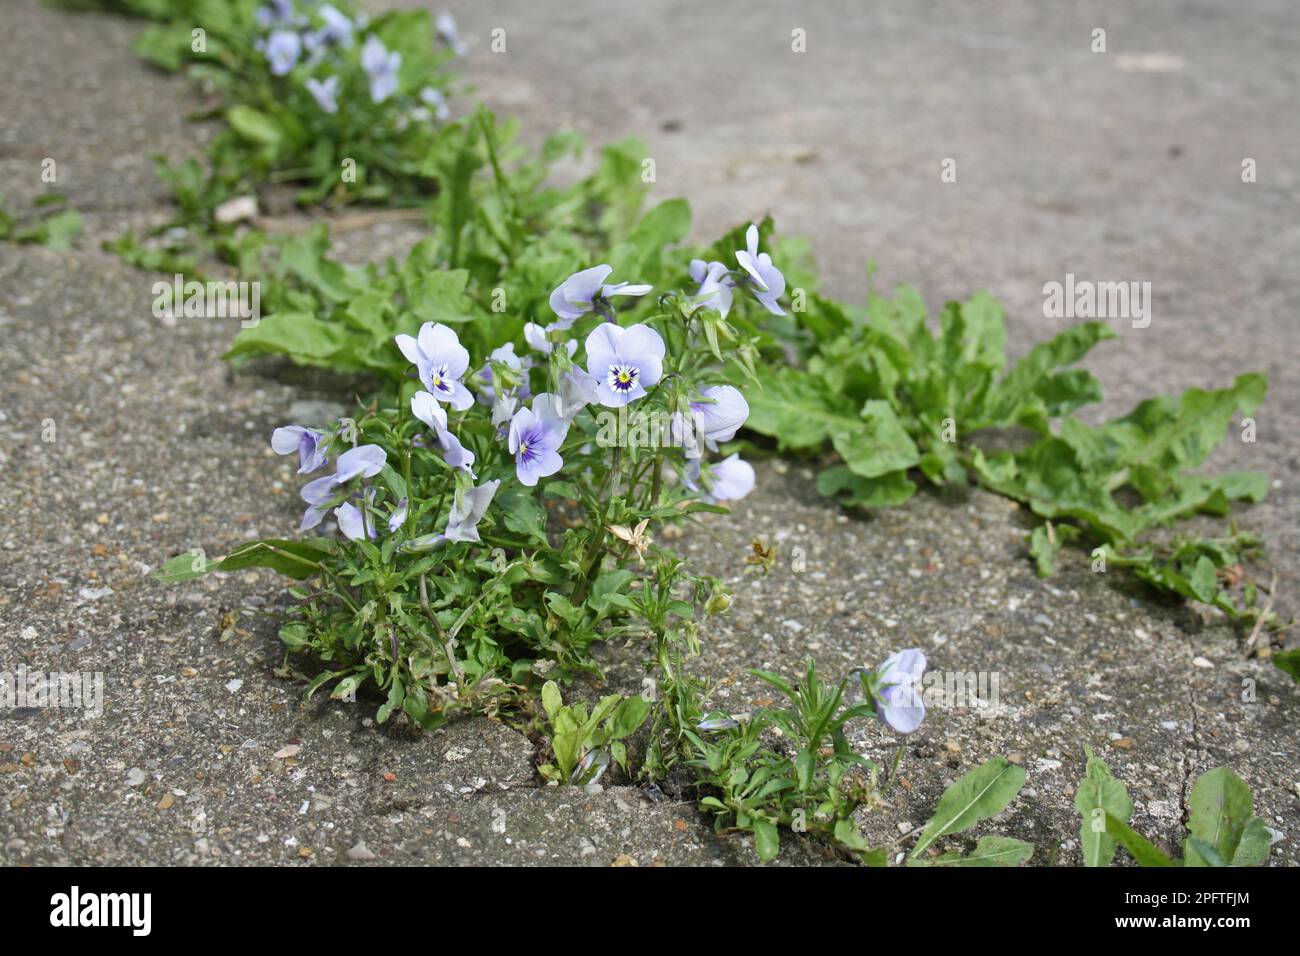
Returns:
(283, 47)
(536, 435)
(444, 27)
(440, 360)
(325, 93)
(733, 478)
(624, 362)
(381, 66)
(364, 461)
(896, 690)
(729, 480)
(467, 511)
(318, 495)
(578, 389)
(353, 523)
(716, 283)
(426, 408)
(714, 419)
(307, 442)
(275, 12)
(535, 336)
(585, 292)
(436, 102)
(761, 276)
(398, 517)
(337, 28)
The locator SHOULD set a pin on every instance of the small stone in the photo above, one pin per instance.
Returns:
(1202, 662)
(166, 802)
(234, 685)
(360, 851)
(1124, 743)
(624, 860)
(284, 753)
(134, 777)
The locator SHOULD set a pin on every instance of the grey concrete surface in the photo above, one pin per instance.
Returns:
(1122, 165)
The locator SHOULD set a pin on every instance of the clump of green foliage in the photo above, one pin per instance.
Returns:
(53, 223)
(1222, 829)
(897, 399)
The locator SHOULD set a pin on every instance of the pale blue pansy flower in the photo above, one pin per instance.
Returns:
(440, 360)
(729, 480)
(427, 409)
(761, 277)
(325, 93)
(381, 66)
(896, 690)
(467, 511)
(398, 517)
(307, 442)
(283, 47)
(436, 102)
(624, 362)
(444, 26)
(536, 435)
(364, 461)
(318, 495)
(715, 418)
(587, 291)
(354, 525)
(716, 284)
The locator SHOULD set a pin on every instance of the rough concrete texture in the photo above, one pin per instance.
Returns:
(1116, 165)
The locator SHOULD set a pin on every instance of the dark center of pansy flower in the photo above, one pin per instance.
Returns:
(622, 378)
(528, 443)
(438, 378)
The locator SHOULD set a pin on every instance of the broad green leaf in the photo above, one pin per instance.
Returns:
(1143, 850)
(767, 840)
(878, 444)
(851, 489)
(1221, 808)
(989, 851)
(978, 795)
(254, 126)
(1100, 794)
(1289, 663)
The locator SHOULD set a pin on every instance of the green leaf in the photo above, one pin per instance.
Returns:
(1222, 809)
(551, 700)
(628, 717)
(1100, 794)
(61, 228)
(878, 445)
(856, 491)
(295, 559)
(1289, 663)
(1143, 850)
(184, 567)
(767, 840)
(989, 851)
(978, 795)
(254, 126)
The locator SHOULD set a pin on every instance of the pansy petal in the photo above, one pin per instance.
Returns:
(284, 441)
(410, 349)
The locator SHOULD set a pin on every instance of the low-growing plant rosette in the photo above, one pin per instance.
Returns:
(500, 518)
(349, 107)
